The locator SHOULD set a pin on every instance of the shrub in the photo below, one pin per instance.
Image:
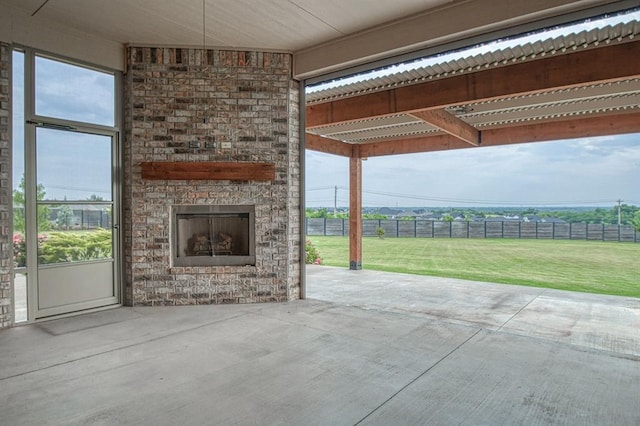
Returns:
(19, 251)
(380, 232)
(312, 256)
(72, 246)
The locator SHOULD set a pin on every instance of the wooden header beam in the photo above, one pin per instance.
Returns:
(603, 125)
(540, 132)
(326, 145)
(600, 64)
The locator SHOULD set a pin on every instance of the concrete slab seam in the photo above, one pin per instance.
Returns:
(418, 377)
(154, 339)
(521, 309)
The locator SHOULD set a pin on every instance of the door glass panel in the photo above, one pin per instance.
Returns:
(73, 166)
(75, 93)
(73, 196)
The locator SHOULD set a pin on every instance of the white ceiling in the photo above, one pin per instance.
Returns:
(288, 25)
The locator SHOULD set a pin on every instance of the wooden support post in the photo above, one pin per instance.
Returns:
(355, 211)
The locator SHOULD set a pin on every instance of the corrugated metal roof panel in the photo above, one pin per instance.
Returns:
(383, 133)
(388, 121)
(584, 39)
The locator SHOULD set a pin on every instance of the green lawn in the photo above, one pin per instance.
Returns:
(588, 266)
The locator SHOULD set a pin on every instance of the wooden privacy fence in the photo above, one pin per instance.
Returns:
(459, 229)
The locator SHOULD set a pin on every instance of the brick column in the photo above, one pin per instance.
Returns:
(5, 189)
(193, 105)
(295, 236)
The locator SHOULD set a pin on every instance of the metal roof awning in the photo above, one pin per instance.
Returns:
(579, 84)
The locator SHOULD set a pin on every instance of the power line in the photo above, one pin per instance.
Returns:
(471, 201)
(323, 188)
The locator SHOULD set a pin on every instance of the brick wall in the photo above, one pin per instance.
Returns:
(5, 189)
(176, 99)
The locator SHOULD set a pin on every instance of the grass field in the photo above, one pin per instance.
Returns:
(587, 266)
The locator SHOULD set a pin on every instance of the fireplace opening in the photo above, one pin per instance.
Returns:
(213, 235)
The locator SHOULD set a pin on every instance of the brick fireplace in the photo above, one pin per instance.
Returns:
(229, 111)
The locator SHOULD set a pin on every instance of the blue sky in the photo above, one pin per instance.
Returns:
(581, 172)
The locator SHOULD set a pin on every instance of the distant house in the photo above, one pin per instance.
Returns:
(388, 211)
(535, 218)
(502, 219)
(407, 215)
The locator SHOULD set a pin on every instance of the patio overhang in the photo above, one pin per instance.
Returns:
(582, 85)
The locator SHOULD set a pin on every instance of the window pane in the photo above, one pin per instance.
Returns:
(19, 242)
(74, 93)
(73, 166)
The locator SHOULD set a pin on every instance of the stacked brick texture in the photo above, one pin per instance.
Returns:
(5, 189)
(194, 105)
(296, 235)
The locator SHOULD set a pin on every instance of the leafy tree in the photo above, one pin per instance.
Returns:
(19, 203)
(65, 216)
(447, 218)
(627, 213)
(324, 213)
(317, 213)
(636, 220)
(374, 216)
(94, 197)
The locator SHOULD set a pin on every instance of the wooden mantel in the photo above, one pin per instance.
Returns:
(208, 170)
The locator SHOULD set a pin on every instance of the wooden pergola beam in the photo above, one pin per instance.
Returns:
(540, 132)
(600, 64)
(326, 145)
(450, 124)
(412, 145)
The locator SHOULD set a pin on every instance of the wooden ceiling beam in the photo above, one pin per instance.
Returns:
(450, 124)
(623, 123)
(326, 145)
(412, 145)
(600, 64)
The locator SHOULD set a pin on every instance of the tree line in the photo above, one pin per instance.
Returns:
(629, 214)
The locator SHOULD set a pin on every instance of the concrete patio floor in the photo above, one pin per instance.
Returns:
(365, 348)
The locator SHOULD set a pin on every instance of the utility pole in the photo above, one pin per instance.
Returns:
(335, 202)
(619, 213)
